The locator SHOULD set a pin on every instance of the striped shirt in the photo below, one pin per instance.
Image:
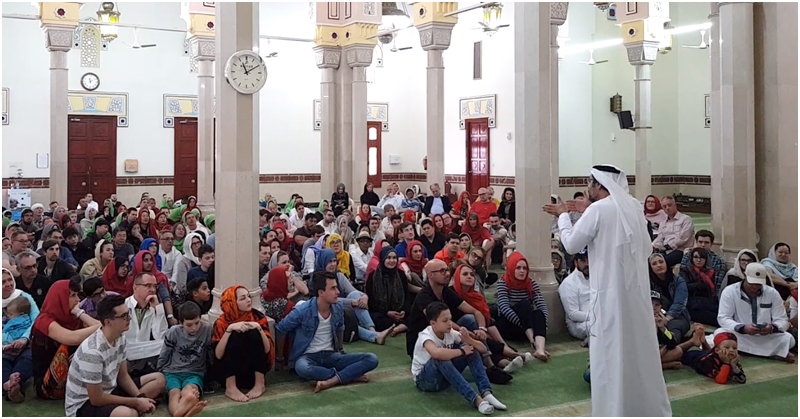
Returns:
(95, 362)
(507, 298)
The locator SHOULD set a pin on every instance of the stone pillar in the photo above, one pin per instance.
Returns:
(359, 57)
(434, 34)
(532, 115)
(203, 50)
(558, 15)
(343, 163)
(716, 132)
(737, 122)
(237, 177)
(328, 61)
(642, 55)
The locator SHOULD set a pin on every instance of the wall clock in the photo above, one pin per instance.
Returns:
(246, 72)
(90, 81)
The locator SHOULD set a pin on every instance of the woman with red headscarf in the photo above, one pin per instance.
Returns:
(282, 236)
(162, 221)
(461, 208)
(57, 332)
(242, 345)
(191, 204)
(413, 265)
(147, 227)
(522, 312)
(116, 277)
(653, 212)
(276, 303)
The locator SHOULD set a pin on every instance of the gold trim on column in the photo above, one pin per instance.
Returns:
(430, 11)
(357, 33)
(328, 36)
(59, 13)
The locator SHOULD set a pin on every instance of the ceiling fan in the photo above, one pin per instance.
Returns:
(489, 8)
(490, 30)
(135, 44)
(591, 59)
(703, 44)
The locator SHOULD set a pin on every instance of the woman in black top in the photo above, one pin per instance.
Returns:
(340, 200)
(369, 196)
(508, 207)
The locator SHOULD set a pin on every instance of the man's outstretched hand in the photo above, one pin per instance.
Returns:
(556, 209)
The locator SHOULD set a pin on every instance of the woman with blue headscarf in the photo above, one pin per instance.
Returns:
(151, 245)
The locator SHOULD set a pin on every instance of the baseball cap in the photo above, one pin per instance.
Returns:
(583, 254)
(655, 295)
(756, 274)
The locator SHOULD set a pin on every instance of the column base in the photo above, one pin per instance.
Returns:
(206, 209)
(545, 277)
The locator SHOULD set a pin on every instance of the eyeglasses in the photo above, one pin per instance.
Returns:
(124, 316)
(149, 286)
(22, 241)
(441, 271)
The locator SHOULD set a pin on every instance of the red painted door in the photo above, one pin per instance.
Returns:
(92, 157)
(374, 153)
(477, 154)
(185, 158)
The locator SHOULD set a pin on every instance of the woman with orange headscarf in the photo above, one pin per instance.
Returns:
(522, 312)
(242, 344)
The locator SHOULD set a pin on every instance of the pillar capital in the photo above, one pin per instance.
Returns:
(358, 55)
(435, 35)
(328, 56)
(558, 12)
(642, 52)
(203, 47)
(58, 37)
(59, 13)
(200, 18)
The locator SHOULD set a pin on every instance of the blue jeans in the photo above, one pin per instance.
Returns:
(324, 365)
(468, 321)
(439, 375)
(22, 364)
(364, 320)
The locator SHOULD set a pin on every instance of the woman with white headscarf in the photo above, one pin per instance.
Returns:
(191, 246)
(623, 350)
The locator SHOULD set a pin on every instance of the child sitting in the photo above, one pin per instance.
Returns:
(667, 342)
(183, 361)
(18, 313)
(197, 291)
(721, 363)
(441, 353)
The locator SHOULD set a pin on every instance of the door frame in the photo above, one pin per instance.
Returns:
(90, 172)
(179, 121)
(468, 145)
(376, 182)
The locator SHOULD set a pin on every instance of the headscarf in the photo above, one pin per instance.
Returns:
(191, 207)
(287, 240)
(472, 297)
(447, 229)
(737, 270)
(273, 261)
(98, 250)
(177, 213)
(64, 221)
(458, 204)
(14, 294)
(113, 282)
(347, 234)
(149, 229)
(410, 216)
(474, 233)
(324, 257)
(138, 267)
(461, 236)
(416, 266)
(210, 221)
(277, 284)
(511, 281)
(163, 226)
(56, 309)
(343, 257)
(178, 244)
(231, 315)
(657, 208)
(146, 246)
(187, 250)
(784, 270)
(364, 217)
(370, 198)
(289, 207)
(376, 258)
(387, 286)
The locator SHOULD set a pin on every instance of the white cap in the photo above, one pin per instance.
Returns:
(756, 274)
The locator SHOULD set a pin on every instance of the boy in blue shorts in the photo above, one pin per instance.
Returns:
(183, 361)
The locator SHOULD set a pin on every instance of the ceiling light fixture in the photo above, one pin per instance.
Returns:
(108, 13)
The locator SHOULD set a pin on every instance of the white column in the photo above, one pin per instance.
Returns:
(359, 57)
(716, 132)
(532, 86)
(558, 15)
(203, 50)
(328, 61)
(343, 163)
(642, 55)
(237, 177)
(58, 41)
(737, 122)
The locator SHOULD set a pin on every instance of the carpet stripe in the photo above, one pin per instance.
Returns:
(677, 390)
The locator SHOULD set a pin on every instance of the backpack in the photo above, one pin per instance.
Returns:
(350, 325)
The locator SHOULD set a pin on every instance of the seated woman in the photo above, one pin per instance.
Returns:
(450, 226)
(476, 260)
(702, 303)
(343, 230)
(282, 236)
(188, 261)
(559, 265)
(781, 270)
(653, 213)
(507, 210)
(522, 312)
(673, 294)
(17, 363)
(277, 305)
(57, 332)
(151, 245)
(117, 278)
(389, 296)
(345, 262)
(364, 213)
(94, 292)
(736, 273)
(502, 355)
(373, 264)
(349, 296)
(411, 202)
(480, 235)
(465, 243)
(242, 345)
(103, 255)
(413, 265)
(135, 237)
(162, 222)
(461, 207)
(179, 232)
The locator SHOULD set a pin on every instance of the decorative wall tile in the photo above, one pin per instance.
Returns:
(477, 107)
(98, 103)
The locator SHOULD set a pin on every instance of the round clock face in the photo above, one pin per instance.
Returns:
(246, 72)
(90, 81)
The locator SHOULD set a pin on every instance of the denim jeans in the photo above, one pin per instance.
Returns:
(22, 364)
(364, 320)
(439, 375)
(327, 364)
(468, 321)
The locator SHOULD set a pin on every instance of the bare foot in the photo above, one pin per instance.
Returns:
(197, 408)
(543, 356)
(13, 389)
(324, 385)
(187, 402)
(255, 392)
(362, 379)
(789, 359)
(585, 343)
(381, 338)
(234, 394)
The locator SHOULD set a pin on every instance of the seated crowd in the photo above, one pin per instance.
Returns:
(108, 309)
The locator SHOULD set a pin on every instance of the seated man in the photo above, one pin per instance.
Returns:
(430, 238)
(145, 336)
(484, 206)
(386, 223)
(674, 234)
(361, 252)
(576, 298)
(318, 328)
(499, 235)
(51, 266)
(99, 384)
(450, 253)
(436, 203)
(65, 254)
(407, 234)
(705, 239)
(328, 222)
(762, 333)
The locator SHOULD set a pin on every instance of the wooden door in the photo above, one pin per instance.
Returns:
(477, 154)
(374, 153)
(92, 157)
(185, 158)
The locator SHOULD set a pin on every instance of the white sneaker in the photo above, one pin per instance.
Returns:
(515, 365)
(494, 402)
(527, 357)
(485, 408)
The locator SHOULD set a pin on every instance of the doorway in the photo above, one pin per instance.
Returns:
(374, 173)
(185, 132)
(91, 157)
(477, 154)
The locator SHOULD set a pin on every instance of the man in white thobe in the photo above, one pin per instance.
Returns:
(623, 350)
(576, 298)
(754, 312)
